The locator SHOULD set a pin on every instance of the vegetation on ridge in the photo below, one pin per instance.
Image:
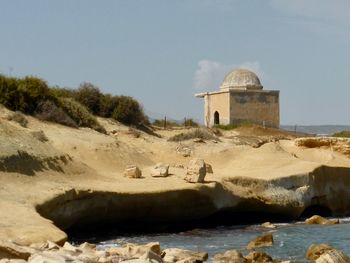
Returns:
(345, 134)
(74, 108)
(196, 134)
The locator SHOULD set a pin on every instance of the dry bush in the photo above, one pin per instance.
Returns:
(313, 142)
(197, 133)
(48, 111)
(81, 115)
(19, 118)
(89, 95)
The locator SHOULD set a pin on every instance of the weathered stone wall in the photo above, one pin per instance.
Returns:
(260, 107)
(217, 102)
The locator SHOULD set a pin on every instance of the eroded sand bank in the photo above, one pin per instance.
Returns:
(77, 177)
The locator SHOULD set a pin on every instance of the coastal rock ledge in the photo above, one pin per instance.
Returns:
(75, 177)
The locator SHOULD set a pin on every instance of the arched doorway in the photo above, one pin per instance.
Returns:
(216, 118)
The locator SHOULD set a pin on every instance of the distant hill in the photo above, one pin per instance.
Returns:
(317, 129)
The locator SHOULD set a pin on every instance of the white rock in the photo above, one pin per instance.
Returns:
(176, 254)
(196, 171)
(160, 170)
(132, 171)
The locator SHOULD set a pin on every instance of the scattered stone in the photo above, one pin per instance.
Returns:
(132, 171)
(319, 220)
(259, 257)
(198, 140)
(181, 166)
(49, 257)
(261, 241)
(5, 260)
(208, 168)
(132, 251)
(87, 246)
(316, 250)
(176, 254)
(268, 225)
(150, 256)
(160, 170)
(230, 256)
(196, 171)
(47, 245)
(184, 151)
(13, 251)
(333, 256)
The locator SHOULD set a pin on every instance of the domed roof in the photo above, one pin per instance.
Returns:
(241, 79)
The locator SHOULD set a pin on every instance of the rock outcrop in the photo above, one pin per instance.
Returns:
(319, 220)
(230, 256)
(323, 253)
(261, 241)
(258, 257)
(176, 255)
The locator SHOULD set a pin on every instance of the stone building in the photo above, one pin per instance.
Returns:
(241, 98)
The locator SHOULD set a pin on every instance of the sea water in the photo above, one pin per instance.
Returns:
(291, 240)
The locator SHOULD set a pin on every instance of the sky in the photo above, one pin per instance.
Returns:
(162, 52)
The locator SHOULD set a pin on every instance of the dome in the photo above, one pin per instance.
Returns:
(241, 79)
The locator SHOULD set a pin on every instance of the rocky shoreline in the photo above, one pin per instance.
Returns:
(77, 176)
(49, 252)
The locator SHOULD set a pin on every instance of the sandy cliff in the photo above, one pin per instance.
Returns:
(76, 176)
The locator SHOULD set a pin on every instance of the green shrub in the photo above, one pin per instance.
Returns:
(107, 105)
(62, 92)
(89, 96)
(48, 111)
(80, 114)
(23, 94)
(129, 111)
(19, 118)
(197, 133)
(345, 134)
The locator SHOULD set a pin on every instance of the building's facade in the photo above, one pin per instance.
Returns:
(241, 98)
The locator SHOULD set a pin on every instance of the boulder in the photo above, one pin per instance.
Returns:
(196, 171)
(176, 254)
(333, 256)
(258, 257)
(319, 220)
(5, 260)
(261, 241)
(11, 250)
(132, 171)
(316, 250)
(50, 257)
(47, 245)
(268, 225)
(230, 256)
(208, 168)
(160, 170)
(132, 251)
(87, 246)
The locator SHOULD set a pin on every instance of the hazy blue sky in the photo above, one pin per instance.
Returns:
(162, 52)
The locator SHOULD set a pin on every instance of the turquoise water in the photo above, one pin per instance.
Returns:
(290, 240)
